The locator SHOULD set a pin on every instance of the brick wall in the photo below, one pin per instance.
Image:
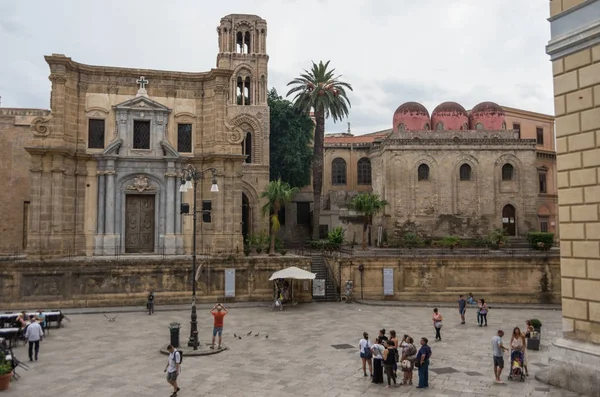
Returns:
(577, 106)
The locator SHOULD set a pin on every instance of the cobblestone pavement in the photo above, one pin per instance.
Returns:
(93, 357)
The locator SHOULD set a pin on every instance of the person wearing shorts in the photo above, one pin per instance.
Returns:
(462, 308)
(218, 311)
(498, 350)
(172, 369)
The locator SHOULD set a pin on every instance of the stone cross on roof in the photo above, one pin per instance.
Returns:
(142, 90)
(142, 82)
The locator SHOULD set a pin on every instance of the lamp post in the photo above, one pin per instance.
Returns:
(191, 176)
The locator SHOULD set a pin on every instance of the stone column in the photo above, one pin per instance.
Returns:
(575, 53)
(101, 194)
(110, 203)
(170, 213)
(177, 205)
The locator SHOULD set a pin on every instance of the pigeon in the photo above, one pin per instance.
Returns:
(239, 337)
(111, 319)
(266, 336)
(256, 335)
(234, 335)
(249, 333)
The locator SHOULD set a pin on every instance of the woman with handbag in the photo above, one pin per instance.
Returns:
(437, 324)
(364, 346)
(409, 354)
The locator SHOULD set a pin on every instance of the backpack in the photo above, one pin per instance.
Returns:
(180, 356)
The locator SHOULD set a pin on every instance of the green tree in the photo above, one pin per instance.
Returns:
(368, 204)
(290, 142)
(321, 91)
(278, 194)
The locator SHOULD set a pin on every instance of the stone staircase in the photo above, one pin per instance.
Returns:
(319, 267)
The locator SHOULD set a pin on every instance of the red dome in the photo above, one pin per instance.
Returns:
(487, 116)
(449, 116)
(411, 116)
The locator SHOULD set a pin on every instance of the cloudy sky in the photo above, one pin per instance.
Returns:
(391, 51)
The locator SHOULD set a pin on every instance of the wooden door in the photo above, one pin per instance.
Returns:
(139, 227)
(509, 220)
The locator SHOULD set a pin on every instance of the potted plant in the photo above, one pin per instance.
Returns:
(533, 343)
(5, 374)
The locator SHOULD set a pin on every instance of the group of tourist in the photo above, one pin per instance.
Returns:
(390, 354)
(518, 340)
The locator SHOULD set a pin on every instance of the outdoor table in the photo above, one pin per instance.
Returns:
(50, 316)
(10, 334)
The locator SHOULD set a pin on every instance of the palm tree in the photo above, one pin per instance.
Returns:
(278, 194)
(368, 204)
(322, 91)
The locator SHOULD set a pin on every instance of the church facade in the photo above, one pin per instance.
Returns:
(105, 163)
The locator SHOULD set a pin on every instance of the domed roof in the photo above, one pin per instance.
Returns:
(411, 116)
(488, 107)
(450, 107)
(449, 116)
(412, 108)
(487, 116)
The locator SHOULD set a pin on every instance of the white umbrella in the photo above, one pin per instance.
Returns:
(293, 272)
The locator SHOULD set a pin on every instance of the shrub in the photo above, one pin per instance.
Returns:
(258, 249)
(247, 250)
(316, 244)
(497, 237)
(540, 241)
(282, 252)
(535, 323)
(449, 241)
(336, 237)
(410, 240)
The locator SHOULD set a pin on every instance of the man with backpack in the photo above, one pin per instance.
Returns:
(173, 368)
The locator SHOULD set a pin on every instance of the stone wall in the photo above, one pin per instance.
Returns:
(437, 278)
(92, 282)
(15, 135)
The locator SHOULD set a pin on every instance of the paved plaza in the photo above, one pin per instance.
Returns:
(94, 357)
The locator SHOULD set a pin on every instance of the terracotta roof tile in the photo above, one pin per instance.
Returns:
(367, 138)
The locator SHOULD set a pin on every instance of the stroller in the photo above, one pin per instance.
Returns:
(516, 366)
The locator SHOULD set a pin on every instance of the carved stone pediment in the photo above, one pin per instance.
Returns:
(141, 184)
(142, 104)
(169, 150)
(235, 134)
(113, 147)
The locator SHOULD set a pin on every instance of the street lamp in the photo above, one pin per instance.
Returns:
(191, 176)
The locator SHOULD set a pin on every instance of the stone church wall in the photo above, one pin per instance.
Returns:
(441, 278)
(15, 196)
(112, 282)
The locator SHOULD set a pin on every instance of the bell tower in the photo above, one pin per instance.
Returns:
(243, 49)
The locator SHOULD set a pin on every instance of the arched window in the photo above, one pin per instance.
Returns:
(465, 172)
(247, 147)
(401, 127)
(479, 126)
(426, 127)
(364, 171)
(507, 172)
(439, 126)
(503, 126)
(239, 42)
(338, 172)
(243, 91)
(247, 43)
(423, 172)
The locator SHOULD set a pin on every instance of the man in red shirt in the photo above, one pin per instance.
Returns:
(218, 311)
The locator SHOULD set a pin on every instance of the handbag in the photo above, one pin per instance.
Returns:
(438, 324)
(367, 352)
(405, 364)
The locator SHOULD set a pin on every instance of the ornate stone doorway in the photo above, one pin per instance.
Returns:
(509, 220)
(139, 223)
(245, 216)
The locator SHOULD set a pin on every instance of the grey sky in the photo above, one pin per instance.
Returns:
(391, 51)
